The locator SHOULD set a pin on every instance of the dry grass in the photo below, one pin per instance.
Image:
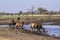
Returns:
(9, 34)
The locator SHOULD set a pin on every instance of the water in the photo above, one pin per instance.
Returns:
(4, 26)
(52, 29)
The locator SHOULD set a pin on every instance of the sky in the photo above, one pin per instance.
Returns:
(14, 6)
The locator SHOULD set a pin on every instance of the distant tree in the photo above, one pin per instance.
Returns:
(58, 12)
(41, 10)
(53, 35)
(20, 12)
(52, 12)
(7, 13)
(2, 13)
(12, 14)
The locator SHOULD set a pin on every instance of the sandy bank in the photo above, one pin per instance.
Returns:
(9, 34)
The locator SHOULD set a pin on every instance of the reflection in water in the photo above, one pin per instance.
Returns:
(4, 26)
(49, 23)
(52, 29)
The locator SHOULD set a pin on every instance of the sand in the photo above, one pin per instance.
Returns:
(9, 34)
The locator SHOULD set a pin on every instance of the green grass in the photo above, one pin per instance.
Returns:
(7, 17)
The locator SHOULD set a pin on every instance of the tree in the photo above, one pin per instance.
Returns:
(20, 12)
(41, 10)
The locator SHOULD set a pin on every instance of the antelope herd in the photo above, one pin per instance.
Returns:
(33, 25)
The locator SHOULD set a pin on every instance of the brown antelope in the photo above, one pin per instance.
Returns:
(11, 23)
(19, 24)
(37, 26)
(18, 18)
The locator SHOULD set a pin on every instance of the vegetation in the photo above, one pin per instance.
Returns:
(41, 12)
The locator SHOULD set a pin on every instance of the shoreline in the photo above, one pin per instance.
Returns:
(56, 22)
(7, 33)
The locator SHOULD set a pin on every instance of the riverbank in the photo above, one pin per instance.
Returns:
(9, 34)
(56, 21)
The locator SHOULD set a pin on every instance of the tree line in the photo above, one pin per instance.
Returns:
(39, 10)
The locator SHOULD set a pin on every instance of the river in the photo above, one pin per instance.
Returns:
(53, 30)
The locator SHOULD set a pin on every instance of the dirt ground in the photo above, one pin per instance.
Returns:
(9, 34)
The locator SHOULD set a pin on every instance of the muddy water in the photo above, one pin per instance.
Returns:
(52, 29)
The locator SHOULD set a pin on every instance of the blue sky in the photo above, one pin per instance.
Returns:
(14, 6)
